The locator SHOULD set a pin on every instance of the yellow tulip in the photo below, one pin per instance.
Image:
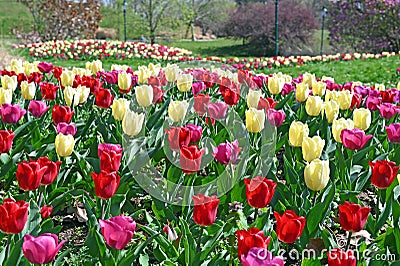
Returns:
(380, 87)
(28, 68)
(331, 96)
(124, 81)
(255, 120)
(308, 79)
(171, 72)
(132, 123)
(338, 125)
(64, 145)
(94, 66)
(144, 95)
(5, 96)
(316, 174)
(362, 118)
(184, 82)
(16, 66)
(297, 132)
(318, 88)
(9, 83)
(275, 84)
(312, 147)
(253, 97)
(70, 96)
(119, 108)
(325, 78)
(331, 110)
(314, 105)
(177, 110)
(398, 85)
(356, 83)
(143, 74)
(83, 93)
(67, 78)
(28, 90)
(302, 92)
(154, 68)
(81, 71)
(344, 99)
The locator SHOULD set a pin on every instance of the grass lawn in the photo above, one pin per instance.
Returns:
(14, 15)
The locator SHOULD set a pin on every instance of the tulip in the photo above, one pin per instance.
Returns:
(28, 68)
(308, 79)
(28, 90)
(332, 96)
(67, 78)
(362, 118)
(383, 173)
(231, 94)
(104, 98)
(124, 81)
(46, 211)
(195, 132)
(119, 107)
(184, 82)
(302, 92)
(178, 137)
(5, 96)
(144, 95)
(338, 125)
(289, 226)
(393, 132)
(171, 73)
(6, 140)
(70, 96)
(266, 104)
(9, 82)
(52, 169)
(287, 88)
(171, 233)
(200, 104)
(190, 158)
(64, 144)
(352, 216)
(29, 175)
(275, 85)
(227, 152)
(276, 117)
(253, 98)
(261, 257)
(48, 90)
(344, 100)
(372, 103)
(337, 257)
(13, 216)
(45, 67)
(143, 74)
(354, 139)
(118, 231)
(255, 120)
(42, 249)
(387, 110)
(252, 238)
(387, 96)
(331, 110)
(205, 209)
(94, 66)
(316, 174)
(11, 113)
(318, 88)
(61, 114)
(197, 87)
(259, 191)
(314, 105)
(132, 123)
(177, 110)
(297, 132)
(105, 184)
(66, 129)
(37, 108)
(110, 156)
(312, 147)
(356, 101)
(217, 110)
(82, 93)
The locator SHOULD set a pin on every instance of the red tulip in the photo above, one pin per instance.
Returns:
(51, 172)
(104, 98)
(178, 137)
(105, 184)
(205, 209)
(29, 175)
(118, 231)
(231, 94)
(35, 77)
(158, 95)
(6, 140)
(266, 103)
(201, 102)
(46, 211)
(289, 226)
(352, 216)
(45, 67)
(190, 159)
(57, 71)
(48, 90)
(110, 157)
(259, 191)
(13, 216)
(11, 113)
(37, 108)
(61, 114)
(338, 257)
(355, 101)
(254, 237)
(42, 249)
(383, 173)
(21, 77)
(388, 96)
(393, 132)
(354, 139)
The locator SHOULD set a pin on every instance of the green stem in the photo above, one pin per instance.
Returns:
(377, 204)
(255, 214)
(199, 240)
(348, 240)
(40, 198)
(103, 208)
(8, 247)
(314, 197)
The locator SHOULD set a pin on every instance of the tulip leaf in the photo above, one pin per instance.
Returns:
(60, 258)
(133, 255)
(387, 210)
(15, 253)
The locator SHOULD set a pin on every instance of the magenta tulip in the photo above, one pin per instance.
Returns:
(197, 87)
(276, 117)
(393, 132)
(372, 102)
(195, 132)
(217, 110)
(42, 249)
(118, 231)
(11, 113)
(37, 108)
(66, 129)
(45, 67)
(354, 139)
(227, 152)
(387, 110)
(261, 257)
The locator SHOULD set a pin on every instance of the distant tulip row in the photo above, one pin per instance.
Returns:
(319, 123)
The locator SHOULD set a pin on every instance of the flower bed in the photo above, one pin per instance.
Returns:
(191, 166)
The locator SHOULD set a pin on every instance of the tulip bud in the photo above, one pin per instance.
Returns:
(344, 99)
(119, 108)
(124, 81)
(331, 110)
(312, 148)
(314, 105)
(302, 92)
(297, 132)
(28, 90)
(144, 95)
(171, 72)
(5, 96)
(362, 118)
(253, 98)
(338, 125)
(67, 78)
(318, 88)
(64, 145)
(255, 120)
(184, 82)
(177, 110)
(316, 174)
(9, 83)
(132, 123)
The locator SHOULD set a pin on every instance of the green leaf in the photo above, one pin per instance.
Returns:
(387, 210)
(60, 258)
(133, 255)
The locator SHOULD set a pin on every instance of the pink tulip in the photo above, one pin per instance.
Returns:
(287, 88)
(171, 233)
(42, 249)
(372, 103)
(227, 152)
(261, 257)
(195, 132)
(11, 113)
(45, 67)
(118, 231)
(393, 132)
(354, 139)
(198, 87)
(387, 110)
(37, 108)
(276, 117)
(217, 110)
(66, 129)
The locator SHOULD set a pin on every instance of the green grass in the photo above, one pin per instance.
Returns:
(14, 15)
